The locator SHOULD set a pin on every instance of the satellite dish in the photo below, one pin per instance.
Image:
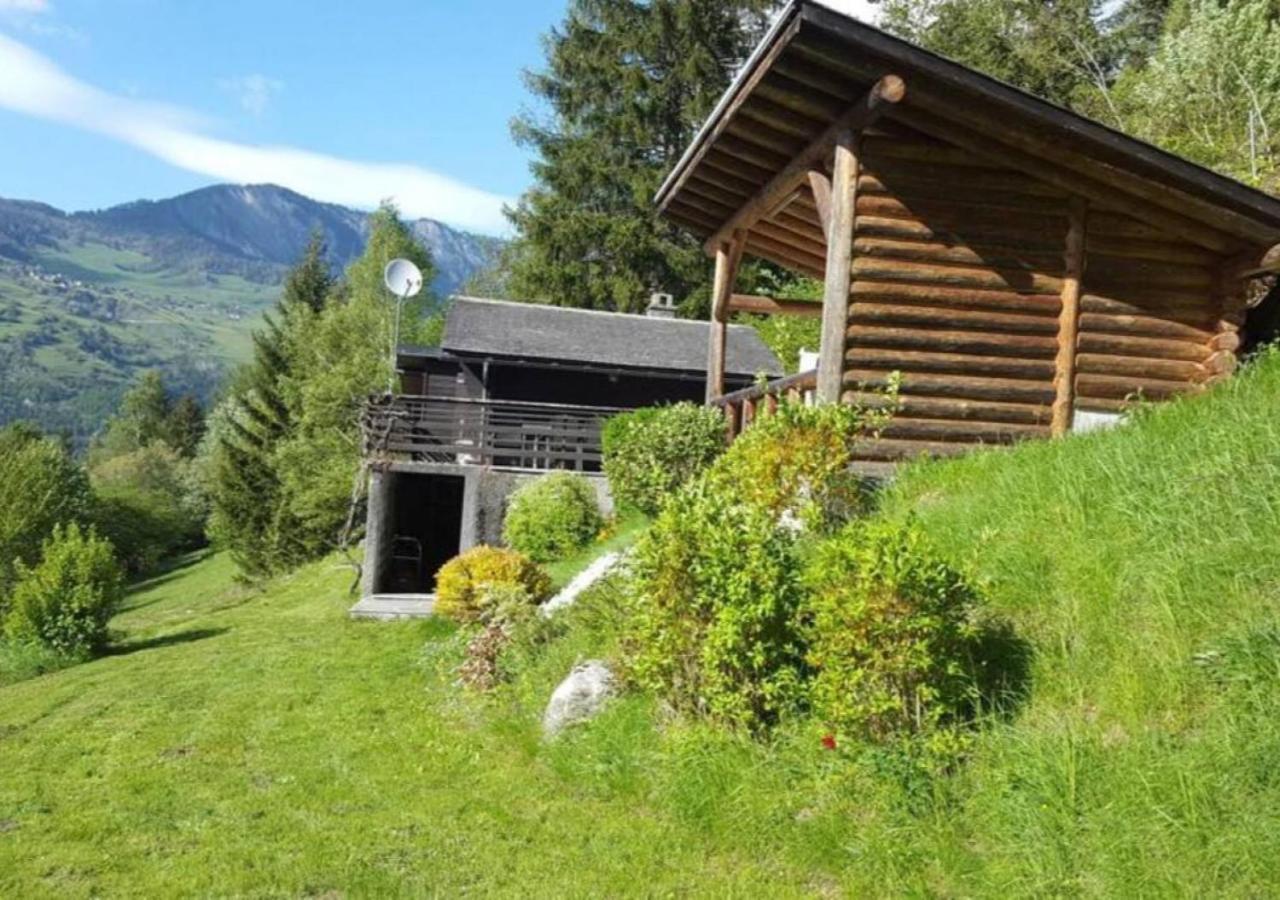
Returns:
(402, 278)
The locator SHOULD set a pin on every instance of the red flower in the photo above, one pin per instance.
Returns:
(829, 741)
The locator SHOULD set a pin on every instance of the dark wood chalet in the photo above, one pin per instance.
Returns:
(515, 389)
(1027, 271)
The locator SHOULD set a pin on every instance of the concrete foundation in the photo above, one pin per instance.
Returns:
(485, 493)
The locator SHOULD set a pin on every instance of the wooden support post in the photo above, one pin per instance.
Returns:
(1069, 320)
(820, 184)
(728, 256)
(835, 295)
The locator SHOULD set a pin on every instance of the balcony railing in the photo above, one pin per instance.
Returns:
(741, 407)
(504, 433)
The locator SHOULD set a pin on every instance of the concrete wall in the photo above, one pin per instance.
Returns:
(484, 504)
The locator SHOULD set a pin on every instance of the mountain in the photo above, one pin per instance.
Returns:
(89, 299)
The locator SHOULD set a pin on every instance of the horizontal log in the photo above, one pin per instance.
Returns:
(877, 151)
(919, 191)
(1225, 340)
(1144, 326)
(787, 257)
(959, 218)
(1138, 367)
(1027, 233)
(1220, 362)
(1021, 346)
(943, 317)
(1126, 248)
(944, 254)
(1154, 300)
(950, 363)
(1091, 386)
(779, 118)
(1109, 271)
(1006, 390)
(906, 175)
(769, 306)
(781, 142)
(1192, 312)
(959, 430)
(1104, 223)
(751, 152)
(871, 290)
(955, 276)
(1148, 348)
(951, 408)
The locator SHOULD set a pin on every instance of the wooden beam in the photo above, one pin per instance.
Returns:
(1069, 320)
(820, 184)
(770, 306)
(1254, 264)
(886, 92)
(728, 256)
(839, 269)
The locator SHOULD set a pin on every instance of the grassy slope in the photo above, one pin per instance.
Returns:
(265, 745)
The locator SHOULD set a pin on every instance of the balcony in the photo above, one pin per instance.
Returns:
(502, 433)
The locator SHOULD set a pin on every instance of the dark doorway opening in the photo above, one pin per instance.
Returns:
(427, 531)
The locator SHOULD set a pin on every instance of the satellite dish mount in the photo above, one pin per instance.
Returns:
(404, 280)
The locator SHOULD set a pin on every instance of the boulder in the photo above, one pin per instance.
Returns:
(579, 697)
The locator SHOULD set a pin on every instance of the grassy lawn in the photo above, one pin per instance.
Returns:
(261, 743)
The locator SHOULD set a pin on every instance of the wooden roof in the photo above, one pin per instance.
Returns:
(817, 65)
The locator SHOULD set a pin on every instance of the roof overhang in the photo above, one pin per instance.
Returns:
(816, 63)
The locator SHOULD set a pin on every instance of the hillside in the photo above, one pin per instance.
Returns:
(1136, 568)
(89, 299)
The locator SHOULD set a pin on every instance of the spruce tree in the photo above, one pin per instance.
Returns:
(627, 84)
(250, 516)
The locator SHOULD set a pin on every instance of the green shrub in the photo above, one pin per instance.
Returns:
(891, 637)
(65, 601)
(40, 486)
(715, 624)
(650, 453)
(467, 584)
(552, 516)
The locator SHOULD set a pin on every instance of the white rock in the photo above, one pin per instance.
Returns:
(583, 580)
(579, 697)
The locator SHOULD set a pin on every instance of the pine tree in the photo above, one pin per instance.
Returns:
(185, 426)
(628, 83)
(249, 512)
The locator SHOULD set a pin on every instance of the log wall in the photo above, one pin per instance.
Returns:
(958, 280)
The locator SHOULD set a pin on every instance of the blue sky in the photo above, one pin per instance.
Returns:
(106, 101)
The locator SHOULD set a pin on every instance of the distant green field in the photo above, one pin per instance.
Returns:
(70, 347)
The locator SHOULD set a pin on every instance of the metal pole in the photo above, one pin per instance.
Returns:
(395, 345)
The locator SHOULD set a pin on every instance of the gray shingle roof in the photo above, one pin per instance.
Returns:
(538, 331)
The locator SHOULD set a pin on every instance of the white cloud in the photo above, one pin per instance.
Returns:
(35, 86)
(25, 6)
(253, 91)
(866, 10)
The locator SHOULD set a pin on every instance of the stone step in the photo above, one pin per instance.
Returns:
(394, 606)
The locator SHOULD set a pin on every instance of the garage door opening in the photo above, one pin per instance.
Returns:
(426, 532)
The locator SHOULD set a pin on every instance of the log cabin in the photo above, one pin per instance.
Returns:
(1026, 270)
(513, 390)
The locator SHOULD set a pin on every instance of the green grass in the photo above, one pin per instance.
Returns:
(622, 533)
(259, 743)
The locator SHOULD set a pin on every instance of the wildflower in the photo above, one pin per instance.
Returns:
(829, 741)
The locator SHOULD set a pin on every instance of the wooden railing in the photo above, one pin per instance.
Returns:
(507, 433)
(741, 407)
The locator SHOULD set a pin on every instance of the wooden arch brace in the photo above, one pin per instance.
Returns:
(884, 94)
(728, 256)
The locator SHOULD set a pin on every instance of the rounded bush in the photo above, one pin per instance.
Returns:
(650, 453)
(468, 586)
(552, 516)
(65, 601)
(716, 618)
(891, 636)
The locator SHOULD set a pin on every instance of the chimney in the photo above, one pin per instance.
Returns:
(661, 306)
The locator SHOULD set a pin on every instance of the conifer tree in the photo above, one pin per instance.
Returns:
(627, 84)
(250, 516)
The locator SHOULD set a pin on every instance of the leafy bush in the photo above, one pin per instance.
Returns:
(509, 618)
(715, 620)
(65, 601)
(650, 453)
(147, 505)
(467, 584)
(552, 516)
(40, 486)
(892, 641)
